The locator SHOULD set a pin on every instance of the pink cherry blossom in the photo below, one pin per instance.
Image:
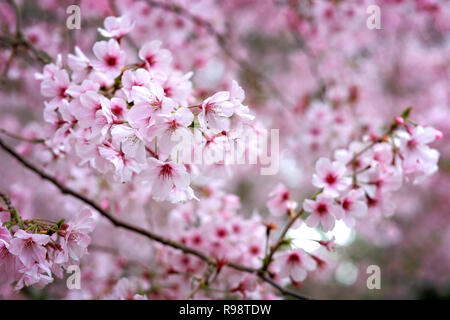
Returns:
(156, 59)
(164, 176)
(331, 177)
(169, 125)
(216, 111)
(354, 206)
(419, 157)
(294, 264)
(79, 63)
(124, 165)
(281, 203)
(116, 27)
(111, 58)
(323, 210)
(29, 247)
(77, 235)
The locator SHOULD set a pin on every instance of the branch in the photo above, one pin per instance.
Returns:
(18, 137)
(138, 230)
(202, 283)
(11, 209)
(280, 241)
(19, 40)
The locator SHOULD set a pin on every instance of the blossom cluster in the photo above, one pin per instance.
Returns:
(34, 251)
(123, 118)
(358, 184)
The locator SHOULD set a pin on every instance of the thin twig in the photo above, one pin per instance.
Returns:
(18, 137)
(280, 241)
(19, 40)
(11, 209)
(202, 283)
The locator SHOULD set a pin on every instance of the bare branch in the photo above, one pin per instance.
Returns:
(18, 137)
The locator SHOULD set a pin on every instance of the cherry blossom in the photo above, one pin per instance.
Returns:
(216, 111)
(111, 59)
(165, 176)
(331, 177)
(324, 210)
(281, 203)
(29, 247)
(354, 206)
(116, 27)
(294, 264)
(156, 59)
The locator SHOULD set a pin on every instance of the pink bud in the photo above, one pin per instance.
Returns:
(399, 120)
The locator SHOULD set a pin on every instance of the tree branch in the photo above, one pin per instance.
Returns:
(21, 138)
(19, 40)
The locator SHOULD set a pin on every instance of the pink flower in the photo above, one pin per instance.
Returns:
(138, 78)
(8, 262)
(418, 158)
(164, 176)
(354, 206)
(323, 210)
(169, 125)
(110, 114)
(29, 247)
(155, 57)
(76, 90)
(346, 155)
(130, 141)
(331, 177)
(376, 180)
(178, 87)
(241, 112)
(294, 264)
(124, 164)
(111, 59)
(80, 64)
(77, 235)
(216, 111)
(86, 106)
(34, 276)
(280, 203)
(5, 235)
(116, 27)
(56, 87)
(148, 102)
